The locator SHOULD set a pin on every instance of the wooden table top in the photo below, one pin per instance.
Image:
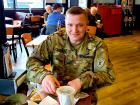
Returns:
(8, 18)
(85, 101)
(35, 42)
(13, 25)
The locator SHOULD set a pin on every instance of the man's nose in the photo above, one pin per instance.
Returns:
(75, 29)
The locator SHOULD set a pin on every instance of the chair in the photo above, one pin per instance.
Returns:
(35, 18)
(91, 30)
(26, 37)
(18, 30)
(12, 42)
(35, 24)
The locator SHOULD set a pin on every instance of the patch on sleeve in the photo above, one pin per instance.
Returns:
(100, 62)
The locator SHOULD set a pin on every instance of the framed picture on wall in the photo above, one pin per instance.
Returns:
(83, 3)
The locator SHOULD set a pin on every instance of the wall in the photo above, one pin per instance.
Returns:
(137, 2)
(111, 18)
(136, 12)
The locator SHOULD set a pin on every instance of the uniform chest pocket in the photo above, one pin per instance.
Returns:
(84, 58)
(59, 56)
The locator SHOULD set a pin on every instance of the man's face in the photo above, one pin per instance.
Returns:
(93, 11)
(59, 9)
(75, 27)
(49, 9)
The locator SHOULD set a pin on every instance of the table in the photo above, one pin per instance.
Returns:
(38, 40)
(9, 26)
(84, 101)
(16, 25)
(8, 20)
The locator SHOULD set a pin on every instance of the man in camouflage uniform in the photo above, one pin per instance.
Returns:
(78, 59)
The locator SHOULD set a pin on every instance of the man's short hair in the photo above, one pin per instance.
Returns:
(56, 5)
(94, 8)
(48, 6)
(75, 10)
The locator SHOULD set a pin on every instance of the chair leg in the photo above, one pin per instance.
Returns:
(27, 52)
(20, 44)
(14, 52)
(10, 49)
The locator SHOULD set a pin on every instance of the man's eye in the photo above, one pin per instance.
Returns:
(80, 25)
(69, 25)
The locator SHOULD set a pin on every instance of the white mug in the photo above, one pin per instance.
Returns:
(98, 21)
(66, 95)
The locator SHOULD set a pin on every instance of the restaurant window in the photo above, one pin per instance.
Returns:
(55, 1)
(8, 4)
(104, 1)
(29, 4)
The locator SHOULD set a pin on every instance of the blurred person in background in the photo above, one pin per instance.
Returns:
(54, 18)
(48, 9)
(96, 20)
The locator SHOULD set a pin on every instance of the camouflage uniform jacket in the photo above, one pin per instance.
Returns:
(89, 62)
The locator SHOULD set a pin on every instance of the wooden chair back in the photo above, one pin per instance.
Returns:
(35, 22)
(9, 30)
(35, 18)
(27, 37)
(91, 30)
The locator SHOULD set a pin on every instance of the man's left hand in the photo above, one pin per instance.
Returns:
(76, 84)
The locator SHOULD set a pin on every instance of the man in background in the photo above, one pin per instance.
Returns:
(96, 20)
(54, 18)
(48, 9)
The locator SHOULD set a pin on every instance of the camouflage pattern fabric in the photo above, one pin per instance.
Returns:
(88, 61)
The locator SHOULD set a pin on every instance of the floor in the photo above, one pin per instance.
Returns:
(125, 56)
(21, 58)
(124, 51)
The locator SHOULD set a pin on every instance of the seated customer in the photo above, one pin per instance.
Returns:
(77, 58)
(96, 20)
(48, 9)
(54, 18)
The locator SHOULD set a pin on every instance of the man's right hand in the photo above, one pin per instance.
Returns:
(50, 84)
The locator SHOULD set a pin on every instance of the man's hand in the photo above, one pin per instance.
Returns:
(76, 84)
(49, 84)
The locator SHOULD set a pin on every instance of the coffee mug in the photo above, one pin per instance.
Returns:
(66, 95)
